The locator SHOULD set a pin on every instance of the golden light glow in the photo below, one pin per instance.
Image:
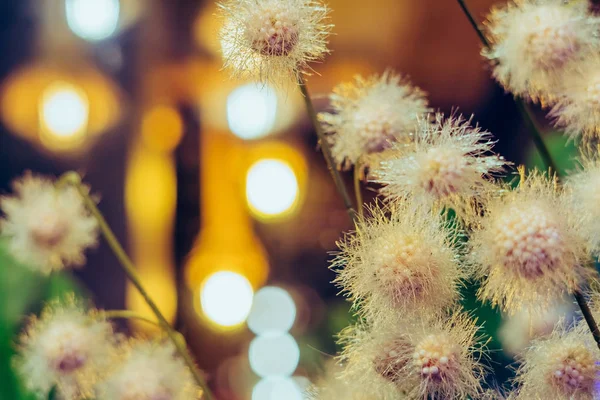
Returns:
(150, 201)
(31, 92)
(226, 241)
(162, 128)
(271, 187)
(226, 298)
(275, 181)
(64, 113)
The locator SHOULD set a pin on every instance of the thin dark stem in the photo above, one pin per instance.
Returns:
(337, 178)
(478, 30)
(72, 178)
(534, 132)
(588, 316)
(357, 189)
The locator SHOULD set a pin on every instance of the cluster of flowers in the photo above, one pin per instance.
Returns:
(402, 267)
(70, 348)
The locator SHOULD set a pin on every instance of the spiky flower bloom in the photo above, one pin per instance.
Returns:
(526, 251)
(150, 371)
(584, 189)
(66, 347)
(446, 166)
(399, 259)
(577, 109)
(532, 41)
(271, 40)
(562, 366)
(370, 114)
(48, 228)
(422, 359)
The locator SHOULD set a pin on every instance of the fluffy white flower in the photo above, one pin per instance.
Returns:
(526, 250)
(48, 228)
(561, 366)
(400, 261)
(370, 114)
(532, 41)
(416, 359)
(66, 347)
(271, 40)
(577, 107)
(150, 371)
(448, 164)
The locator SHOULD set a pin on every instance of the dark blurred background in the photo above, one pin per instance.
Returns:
(215, 186)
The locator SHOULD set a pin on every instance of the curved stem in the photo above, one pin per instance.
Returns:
(549, 161)
(74, 179)
(357, 189)
(337, 178)
(127, 314)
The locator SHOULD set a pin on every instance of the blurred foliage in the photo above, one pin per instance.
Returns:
(22, 292)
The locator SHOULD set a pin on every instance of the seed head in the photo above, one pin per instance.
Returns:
(447, 165)
(533, 41)
(370, 114)
(48, 228)
(67, 348)
(562, 366)
(526, 253)
(273, 40)
(399, 261)
(434, 358)
(149, 371)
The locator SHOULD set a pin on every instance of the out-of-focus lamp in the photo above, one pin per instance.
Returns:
(150, 198)
(226, 242)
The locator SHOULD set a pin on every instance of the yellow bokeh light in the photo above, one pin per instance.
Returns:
(64, 112)
(271, 187)
(162, 128)
(226, 298)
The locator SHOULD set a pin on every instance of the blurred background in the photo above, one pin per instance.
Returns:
(214, 185)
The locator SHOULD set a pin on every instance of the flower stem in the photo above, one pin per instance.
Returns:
(534, 132)
(74, 179)
(357, 190)
(337, 178)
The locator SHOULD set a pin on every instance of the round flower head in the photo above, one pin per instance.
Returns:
(561, 366)
(577, 108)
(446, 166)
(48, 228)
(271, 40)
(398, 263)
(66, 347)
(526, 251)
(584, 189)
(370, 114)
(150, 371)
(433, 359)
(534, 40)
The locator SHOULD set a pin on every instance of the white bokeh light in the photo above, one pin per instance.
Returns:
(93, 19)
(274, 355)
(273, 310)
(277, 389)
(64, 110)
(226, 298)
(271, 187)
(251, 111)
